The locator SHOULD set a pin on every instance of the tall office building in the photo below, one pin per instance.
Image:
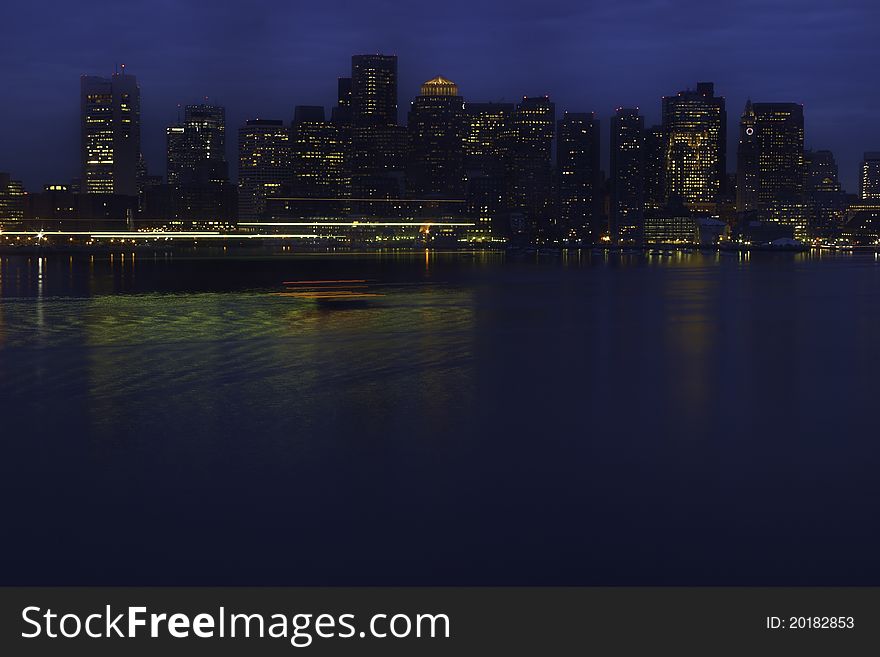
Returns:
(317, 161)
(627, 176)
(110, 122)
(485, 187)
(770, 161)
(437, 130)
(826, 200)
(342, 110)
(869, 180)
(378, 143)
(263, 165)
(655, 167)
(12, 199)
(779, 128)
(374, 90)
(747, 165)
(578, 175)
(196, 149)
(526, 150)
(487, 124)
(695, 127)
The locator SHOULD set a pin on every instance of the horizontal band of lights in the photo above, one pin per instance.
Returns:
(370, 200)
(157, 234)
(356, 224)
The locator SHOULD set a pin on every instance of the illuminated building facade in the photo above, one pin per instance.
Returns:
(437, 130)
(526, 151)
(779, 140)
(318, 164)
(486, 183)
(12, 199)
(263, 165)
(578, 175)
(627, 217)
(672, 224)
(110, 130)
(487, 124)
(196, 150)
(869, 180)
(695, 128)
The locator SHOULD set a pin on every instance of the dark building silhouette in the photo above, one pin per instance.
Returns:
(695, 132)
(437, 131)
(342, 111)
(578, 176)
(378, 143)
(655, 167)
(263, 165)
(374, 90)
(110, 127)
(826, 200)
(747, 165)
(487, 125)
(869, 180)
(196, 149)
(526, 150)
(198, 190)
(318, 163)
(627, 212)
(770, 166)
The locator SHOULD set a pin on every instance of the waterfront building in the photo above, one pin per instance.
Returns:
(627, 211)
(579, 176)
(263, 165)
(437, 129)
(110, 131)
(869, 178)
(695, 140)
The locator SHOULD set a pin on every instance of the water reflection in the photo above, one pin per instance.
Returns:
(594, 418)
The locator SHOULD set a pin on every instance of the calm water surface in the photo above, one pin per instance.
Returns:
(696, 419)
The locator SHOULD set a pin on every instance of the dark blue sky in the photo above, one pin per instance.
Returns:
(262, 57)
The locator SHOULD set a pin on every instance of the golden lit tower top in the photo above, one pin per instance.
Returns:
(439, 86)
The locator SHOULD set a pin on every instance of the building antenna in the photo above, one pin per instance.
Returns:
(123, 70)
(178, 113)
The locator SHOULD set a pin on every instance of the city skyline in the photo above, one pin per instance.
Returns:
(770, 60)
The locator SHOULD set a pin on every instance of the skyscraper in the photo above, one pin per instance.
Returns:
(342, 111)
(779, 128)
(826, 200)
(486, 182)
(197, 148)
(869, 180)
(747, 165)
(627, 176)
(772, 159)
(12, 198)
(110, 121)
(263, 165)
(374, 90)
(437, 129)
(317, 158)
(695, 127)
(655, 167)
(378, 144)
(487, 124)
(578, 175)
(527, 146)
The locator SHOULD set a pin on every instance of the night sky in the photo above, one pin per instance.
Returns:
(261, 57)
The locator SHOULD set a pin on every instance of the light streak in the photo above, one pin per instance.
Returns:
(356, 224)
